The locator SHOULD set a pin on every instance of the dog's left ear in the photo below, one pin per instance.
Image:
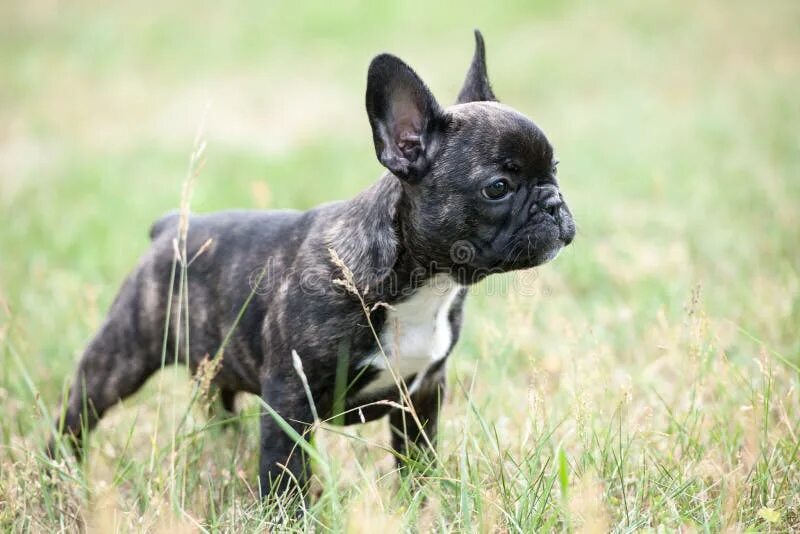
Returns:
(404, 117)
(476, 85)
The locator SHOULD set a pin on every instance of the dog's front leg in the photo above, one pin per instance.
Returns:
(284, 468)
(413, 437)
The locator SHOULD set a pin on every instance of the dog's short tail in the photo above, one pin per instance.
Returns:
(169, 220)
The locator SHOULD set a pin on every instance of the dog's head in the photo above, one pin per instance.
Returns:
(479, 178)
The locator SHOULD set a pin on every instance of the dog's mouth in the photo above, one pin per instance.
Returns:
(538, 240)
(539, 243)
(527, 257)
(553, 253)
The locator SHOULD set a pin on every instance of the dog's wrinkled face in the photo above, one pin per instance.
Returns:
(480, 178)
(491, 193)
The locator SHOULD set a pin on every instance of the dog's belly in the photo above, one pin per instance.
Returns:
(416, 334)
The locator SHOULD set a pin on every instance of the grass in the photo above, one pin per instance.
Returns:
(645, 379)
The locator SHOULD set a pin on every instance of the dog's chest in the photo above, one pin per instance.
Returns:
(417, 333)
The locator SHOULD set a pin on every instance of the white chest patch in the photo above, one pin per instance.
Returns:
(416, 333)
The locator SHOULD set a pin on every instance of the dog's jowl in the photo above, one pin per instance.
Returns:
(470, 190)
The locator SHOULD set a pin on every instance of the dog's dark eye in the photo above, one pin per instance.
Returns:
(496, 190)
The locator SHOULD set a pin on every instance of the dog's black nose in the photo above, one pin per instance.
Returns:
(554, 209)
(551, 203)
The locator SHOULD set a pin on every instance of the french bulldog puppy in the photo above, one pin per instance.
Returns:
(470, 190)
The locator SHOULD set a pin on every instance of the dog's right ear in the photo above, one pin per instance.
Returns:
(404, 117)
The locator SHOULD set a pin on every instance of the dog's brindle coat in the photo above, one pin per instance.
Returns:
(471, 190)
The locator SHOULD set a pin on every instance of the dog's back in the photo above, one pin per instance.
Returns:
(234, 257)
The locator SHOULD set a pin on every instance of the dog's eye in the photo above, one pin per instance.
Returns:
(496, 190)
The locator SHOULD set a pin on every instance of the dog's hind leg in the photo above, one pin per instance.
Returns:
(116, 362)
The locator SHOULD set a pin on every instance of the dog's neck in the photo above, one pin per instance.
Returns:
(370, 238)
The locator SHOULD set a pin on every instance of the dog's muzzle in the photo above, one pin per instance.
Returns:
(550, 201)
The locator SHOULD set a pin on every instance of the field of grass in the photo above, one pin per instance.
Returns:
(647, 378)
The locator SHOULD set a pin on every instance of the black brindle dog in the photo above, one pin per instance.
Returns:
(470, 190)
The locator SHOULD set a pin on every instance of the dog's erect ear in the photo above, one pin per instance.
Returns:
(476, 85)
(404, 117)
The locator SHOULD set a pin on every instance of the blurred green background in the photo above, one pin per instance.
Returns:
(677, 125)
